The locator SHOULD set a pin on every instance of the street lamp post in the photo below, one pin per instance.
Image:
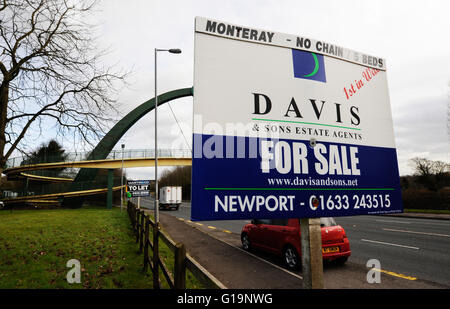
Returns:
(172, 51)
(121, 181)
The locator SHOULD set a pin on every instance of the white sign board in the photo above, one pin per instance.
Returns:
(138, 188)
(287, 126)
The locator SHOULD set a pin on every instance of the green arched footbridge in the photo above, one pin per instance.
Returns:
(108, 142)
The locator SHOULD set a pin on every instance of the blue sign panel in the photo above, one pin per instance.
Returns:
(327, 180)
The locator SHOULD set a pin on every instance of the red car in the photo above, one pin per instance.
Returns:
(282, 237)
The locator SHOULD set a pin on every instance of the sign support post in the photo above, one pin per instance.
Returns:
(121, 180)
(312, 263)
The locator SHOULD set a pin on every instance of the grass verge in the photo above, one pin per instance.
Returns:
(35, 246)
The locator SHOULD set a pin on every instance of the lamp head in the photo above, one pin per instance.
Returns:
(175, 51)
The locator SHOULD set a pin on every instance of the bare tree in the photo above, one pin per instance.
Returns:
(430, 173)
(422, 166)
(52, 74)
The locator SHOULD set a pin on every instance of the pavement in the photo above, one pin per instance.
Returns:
(220, 252)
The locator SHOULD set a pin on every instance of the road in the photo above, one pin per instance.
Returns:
(414, 247)
(405, 247)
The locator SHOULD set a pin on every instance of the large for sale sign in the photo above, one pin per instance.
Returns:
(287, 126)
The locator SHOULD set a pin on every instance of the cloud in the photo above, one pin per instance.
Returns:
(421, 130)
(414, 44)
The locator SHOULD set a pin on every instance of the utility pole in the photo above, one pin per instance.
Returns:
(121, 181)
(172, 51)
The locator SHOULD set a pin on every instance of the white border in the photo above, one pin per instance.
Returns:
(290, 41)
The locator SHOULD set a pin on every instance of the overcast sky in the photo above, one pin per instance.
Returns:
(413, 37)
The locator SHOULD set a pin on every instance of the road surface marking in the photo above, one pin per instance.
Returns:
(391, 273)
(414, 232)
(390, 244)
(199, 224)
(181, 219)
(211, 227)
(227, 231)
(392, 221)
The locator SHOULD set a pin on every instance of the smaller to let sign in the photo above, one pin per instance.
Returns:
(138, 188)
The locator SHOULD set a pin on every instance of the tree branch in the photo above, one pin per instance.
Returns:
(50, 67)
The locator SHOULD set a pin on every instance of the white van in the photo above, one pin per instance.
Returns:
(170, 197)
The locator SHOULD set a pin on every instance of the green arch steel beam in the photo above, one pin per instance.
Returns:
(111, 138)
